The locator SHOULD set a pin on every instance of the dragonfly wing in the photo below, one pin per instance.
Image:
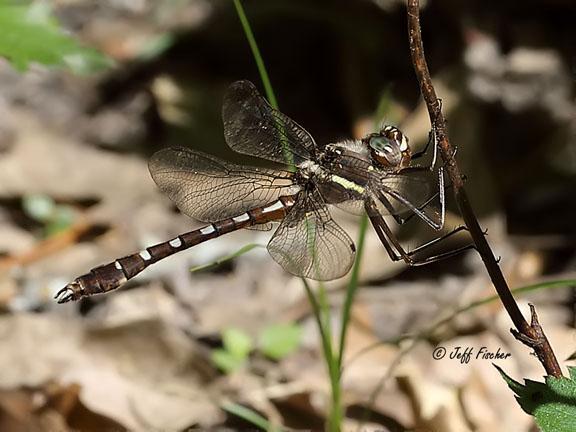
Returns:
(408, 191)
(355, 207)
(309, 243)
(262, 227)
(208, 189)
(253, 127)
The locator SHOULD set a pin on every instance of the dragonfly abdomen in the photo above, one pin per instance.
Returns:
(113, 275)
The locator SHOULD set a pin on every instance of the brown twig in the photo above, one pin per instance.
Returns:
(531, 334)
(48, 246)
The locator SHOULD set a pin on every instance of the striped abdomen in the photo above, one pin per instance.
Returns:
(113, 275)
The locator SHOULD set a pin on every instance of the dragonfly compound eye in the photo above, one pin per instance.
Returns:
(385, 151)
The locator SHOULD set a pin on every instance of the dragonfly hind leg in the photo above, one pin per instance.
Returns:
(397, 252)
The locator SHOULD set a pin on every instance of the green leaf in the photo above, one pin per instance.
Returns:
(552, 403)
(219, 261)
(250, 416)
(39, 207)
(237, 343)
(279, 340)
(42, 208)
(156, 47)
(29, 34)
(226, 361)
(61, 220)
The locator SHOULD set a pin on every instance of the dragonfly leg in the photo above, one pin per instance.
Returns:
(431, 138)
(402, 221)
(419, 154)
(388, 240)
(438, 239)
(397, 252)
(437, 225)
(442, 256)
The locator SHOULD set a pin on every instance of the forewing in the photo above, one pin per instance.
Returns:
(208, 189)
(253, 127)
(309, 243)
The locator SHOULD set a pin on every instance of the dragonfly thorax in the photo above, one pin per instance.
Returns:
(307, 170)
(340, 172)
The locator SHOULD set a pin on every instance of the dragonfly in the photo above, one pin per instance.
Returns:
(376, 174)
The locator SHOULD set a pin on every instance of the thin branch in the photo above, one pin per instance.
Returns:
(532, 334)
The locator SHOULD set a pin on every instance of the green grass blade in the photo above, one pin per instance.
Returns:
(250, 416)
(351, 289)
(520, 290)
(264, 77)
(335, 414)
(244, 249)
(321, 310)
(383, 107)
(256, 53)
(472, 305)
(492, 298)
(320, 322)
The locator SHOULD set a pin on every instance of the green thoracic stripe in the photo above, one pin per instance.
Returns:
(347, 183)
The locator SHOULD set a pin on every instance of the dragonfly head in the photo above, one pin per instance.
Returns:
(389, 148)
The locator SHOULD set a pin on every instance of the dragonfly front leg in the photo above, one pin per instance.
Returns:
(432, 138)
(419, 211)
